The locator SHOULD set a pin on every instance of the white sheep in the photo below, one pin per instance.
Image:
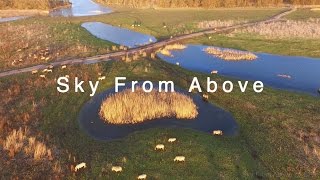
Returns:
(67, 76)
(102, 78)
(79, 166)
(159, 147)
(45, 70)
(43, 76)
(142, 176)
(177, 63)
(116, 168)
(34, 71)
(205, 97)
(179, 159)
(171, 140)
(64, 67)
(214, 72)
(217, 132)
(49, 70)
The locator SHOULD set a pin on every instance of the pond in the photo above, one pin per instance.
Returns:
(209, 118)
(118, 35)
(304, 72)
(81, 8)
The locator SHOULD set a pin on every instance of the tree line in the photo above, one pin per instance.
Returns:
(208, 3)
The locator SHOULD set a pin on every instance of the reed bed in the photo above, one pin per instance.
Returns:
(129, 107)
(218, 23)
(32, 4)
(309, 29)
(166, 51)
(230, 55)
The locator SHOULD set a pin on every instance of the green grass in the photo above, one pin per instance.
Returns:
(303, 14)
(267, 144)
(256, 43)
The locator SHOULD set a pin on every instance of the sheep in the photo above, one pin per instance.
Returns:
(50, 66)
(34, 71)
(159, 147)
(67, 76)
(79, 166)
(116, 168)
(43, 76)
(177, 63)
(217, 132)
(64, 67)
(142, 176)
(45, 70)
(179, 159)
(49, 70)
(205, 97)
(171, 140)
(214, 72)
(102, 78)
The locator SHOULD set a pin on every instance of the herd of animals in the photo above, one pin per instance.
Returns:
(158, 147)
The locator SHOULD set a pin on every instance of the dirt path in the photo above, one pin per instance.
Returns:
(149, 47)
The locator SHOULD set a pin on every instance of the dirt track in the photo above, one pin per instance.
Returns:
(149, 47)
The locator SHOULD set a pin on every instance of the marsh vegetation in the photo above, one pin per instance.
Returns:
(230, 54)
(129, 107)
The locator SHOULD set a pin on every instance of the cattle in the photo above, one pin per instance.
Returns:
(142, 176)
(159, 147)
(179, 159)
(79, 166)
(116, 168)
(217, 132)
(171, 140)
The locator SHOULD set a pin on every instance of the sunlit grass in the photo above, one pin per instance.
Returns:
(129, 107)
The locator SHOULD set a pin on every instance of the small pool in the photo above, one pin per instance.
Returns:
(209, 118)
(81, 8)
(304, 72)
(118, 35)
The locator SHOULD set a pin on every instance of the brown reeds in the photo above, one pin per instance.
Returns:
(166, 51)
(129, 107)
(230, 55)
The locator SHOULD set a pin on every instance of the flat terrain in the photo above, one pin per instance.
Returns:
(277, 138)
(303, 14)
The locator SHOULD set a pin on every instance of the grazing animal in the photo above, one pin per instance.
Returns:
(177, 63)
(34, 71)
(179, 159)
(50, 66)
(64, 67)
(142, 176)
(214, 72)
(116, 168)
(102, 78)
(79, 166)
(159, 147)
(43, 76)
(67, 76)
(217, 132)
(171, 140)
(205, 97)
(49, 70)
(45, 70)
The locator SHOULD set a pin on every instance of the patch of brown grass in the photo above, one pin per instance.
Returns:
(230, 55)
(167, 49)
(32, 4)
(128, 107)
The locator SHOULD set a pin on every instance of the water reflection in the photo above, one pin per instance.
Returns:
(118, 35)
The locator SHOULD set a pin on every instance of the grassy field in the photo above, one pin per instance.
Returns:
(303, 14)
(277, 138)
(256, 43)
(24, 42)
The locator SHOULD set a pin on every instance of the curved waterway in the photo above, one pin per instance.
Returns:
(209, 118)
(81, 8)
(118, 35)
(304, 72)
